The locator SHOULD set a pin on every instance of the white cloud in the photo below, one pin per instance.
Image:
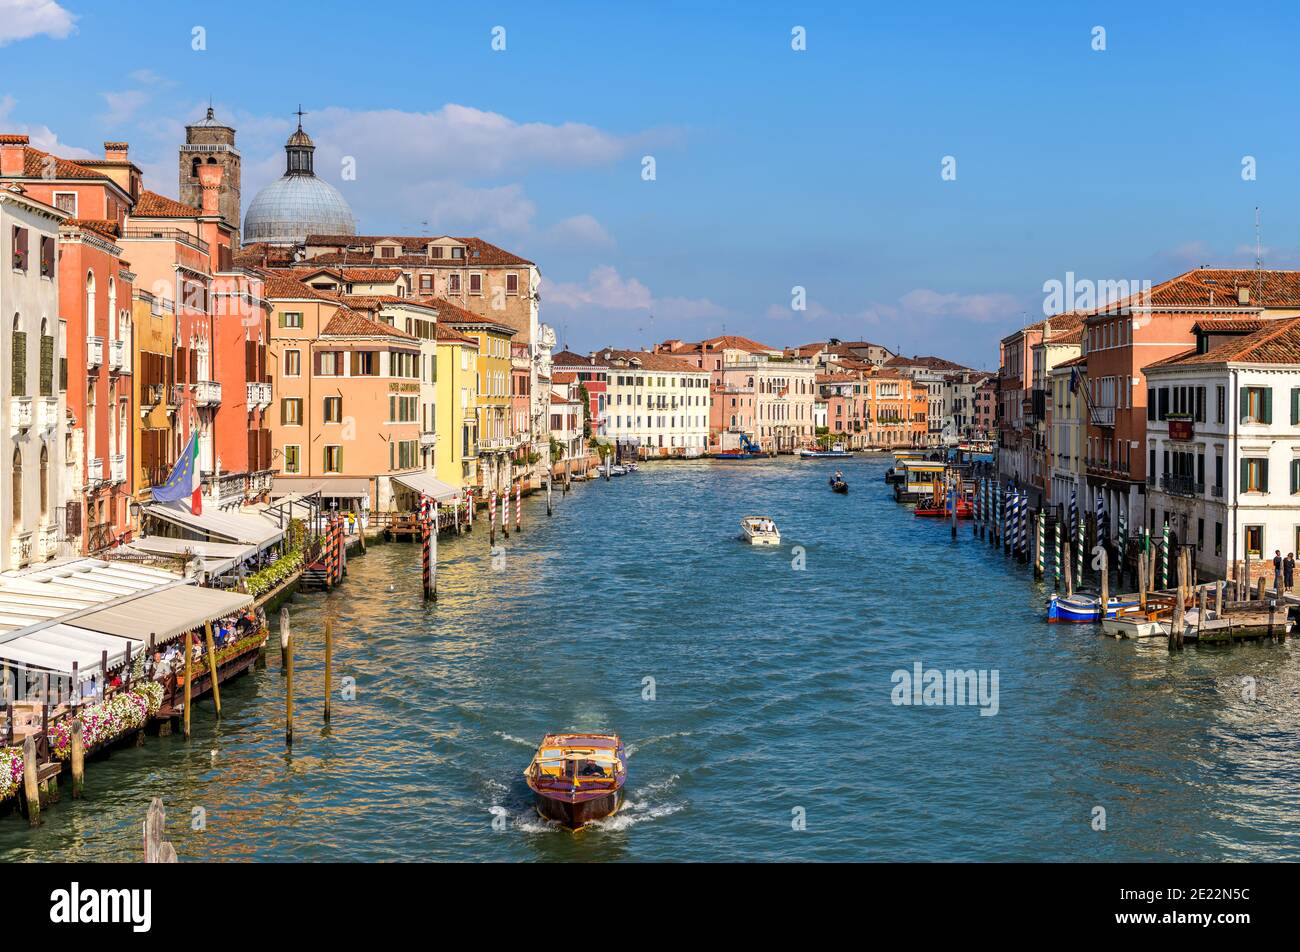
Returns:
(582, 231)
(42, 137)
(23, 19)
(123, 106)
(982, 308)
(610, 308)
(604, 288)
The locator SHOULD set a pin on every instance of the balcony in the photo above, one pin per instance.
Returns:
(495, 445)
(48, 546)
(95, 472)
(1216, 492)
(117, 468)
(428, 439)
(175, 397)
(21, 545)
(207, 393)
(94, 352)
(259, 395)
(1182, 486)
(150, 396)
(20, 414)
(1103, 416)
(47, 414)
(116, 355)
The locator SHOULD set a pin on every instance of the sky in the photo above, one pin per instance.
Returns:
(915, 175)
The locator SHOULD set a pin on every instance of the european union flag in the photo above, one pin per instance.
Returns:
(184, 475)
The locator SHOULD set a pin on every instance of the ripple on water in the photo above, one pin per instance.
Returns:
(771, 700)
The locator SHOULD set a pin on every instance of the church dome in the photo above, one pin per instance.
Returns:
(298, 203)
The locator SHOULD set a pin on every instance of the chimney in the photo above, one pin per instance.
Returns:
(11, 154)
(115, 151)
(210, 182)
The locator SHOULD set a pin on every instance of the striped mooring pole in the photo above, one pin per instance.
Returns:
(1164, 556)
(1078, 556)
(492, 517)
(519, 518)
(1057, 563)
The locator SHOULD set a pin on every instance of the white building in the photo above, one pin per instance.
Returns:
(1067, 432)
(33, 489)
(658, 404)
(1223, 443)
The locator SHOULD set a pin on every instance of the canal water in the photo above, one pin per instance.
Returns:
(768, 731)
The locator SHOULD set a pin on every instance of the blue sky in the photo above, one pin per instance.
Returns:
(775, 168)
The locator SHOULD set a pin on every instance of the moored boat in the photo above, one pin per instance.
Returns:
(837, 451)
(577, 778)
(1081, 608)
(760, 530)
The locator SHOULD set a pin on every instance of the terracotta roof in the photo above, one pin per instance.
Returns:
(454, 314)
(1276, 343)
(376, 301)
(35, 163)
(651, 361)
(1230, 325)
(557, 399)
(1080, 361)
(563, 377)
(361, 275)
(930, 363)
(488, 254)
(152, 205)
(1061, 324)
(567, 358)
(349, 323)
(105, 227)
(278, 285)
(1216, 288)
(443, 332)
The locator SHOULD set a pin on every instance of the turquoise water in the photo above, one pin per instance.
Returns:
(772, 695)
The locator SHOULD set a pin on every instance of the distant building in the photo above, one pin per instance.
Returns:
(659, 405)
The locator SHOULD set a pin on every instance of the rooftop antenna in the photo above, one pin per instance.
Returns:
(1259, 264)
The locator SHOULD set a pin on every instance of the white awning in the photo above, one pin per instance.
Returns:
(338, 487)
(429, 485)
(217, 557)
(220, 525)
(33, 596)
(163, 614)
(58, 647)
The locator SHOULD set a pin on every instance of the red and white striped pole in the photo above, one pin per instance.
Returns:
(469, 501)
(492, 517)
(518, 513)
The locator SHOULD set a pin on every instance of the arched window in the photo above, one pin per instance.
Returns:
(19, 358)
(112, 311)
(90, 300)
(45, 482)
(90, 426)
(194, 167)
(17, 514)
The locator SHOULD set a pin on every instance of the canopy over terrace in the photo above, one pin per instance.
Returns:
(426, 484)
(218, 557)
(76, 611)
(219, 525)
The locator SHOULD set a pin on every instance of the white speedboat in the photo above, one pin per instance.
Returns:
(618, 471)
(835, 452)
(1136, 625)
(760, 530)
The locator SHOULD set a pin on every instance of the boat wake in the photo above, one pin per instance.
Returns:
(634, 812)
(516, 740)
(633, 748)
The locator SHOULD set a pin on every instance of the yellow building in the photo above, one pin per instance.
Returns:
(156, 443)
(494, 438)
(456, 408)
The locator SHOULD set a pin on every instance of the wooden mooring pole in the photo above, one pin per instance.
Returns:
(78, 759)
(189, 683)
(284, 638)
(288, 692)
(212, 666)
(31, 790)
(329, 666)
(1105, 584)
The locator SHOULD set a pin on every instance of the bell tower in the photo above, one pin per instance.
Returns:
(208, 142)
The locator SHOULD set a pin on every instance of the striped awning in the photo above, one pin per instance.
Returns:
(164, 614)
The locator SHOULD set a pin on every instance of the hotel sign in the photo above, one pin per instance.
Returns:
(1181, 429)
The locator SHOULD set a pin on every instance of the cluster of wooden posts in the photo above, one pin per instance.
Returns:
(1005, 518)
(286, 669)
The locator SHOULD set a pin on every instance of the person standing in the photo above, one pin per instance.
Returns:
(1288, 570)
(1277, 571)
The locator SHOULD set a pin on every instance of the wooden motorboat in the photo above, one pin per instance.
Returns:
(760, 530)
(578, 778)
